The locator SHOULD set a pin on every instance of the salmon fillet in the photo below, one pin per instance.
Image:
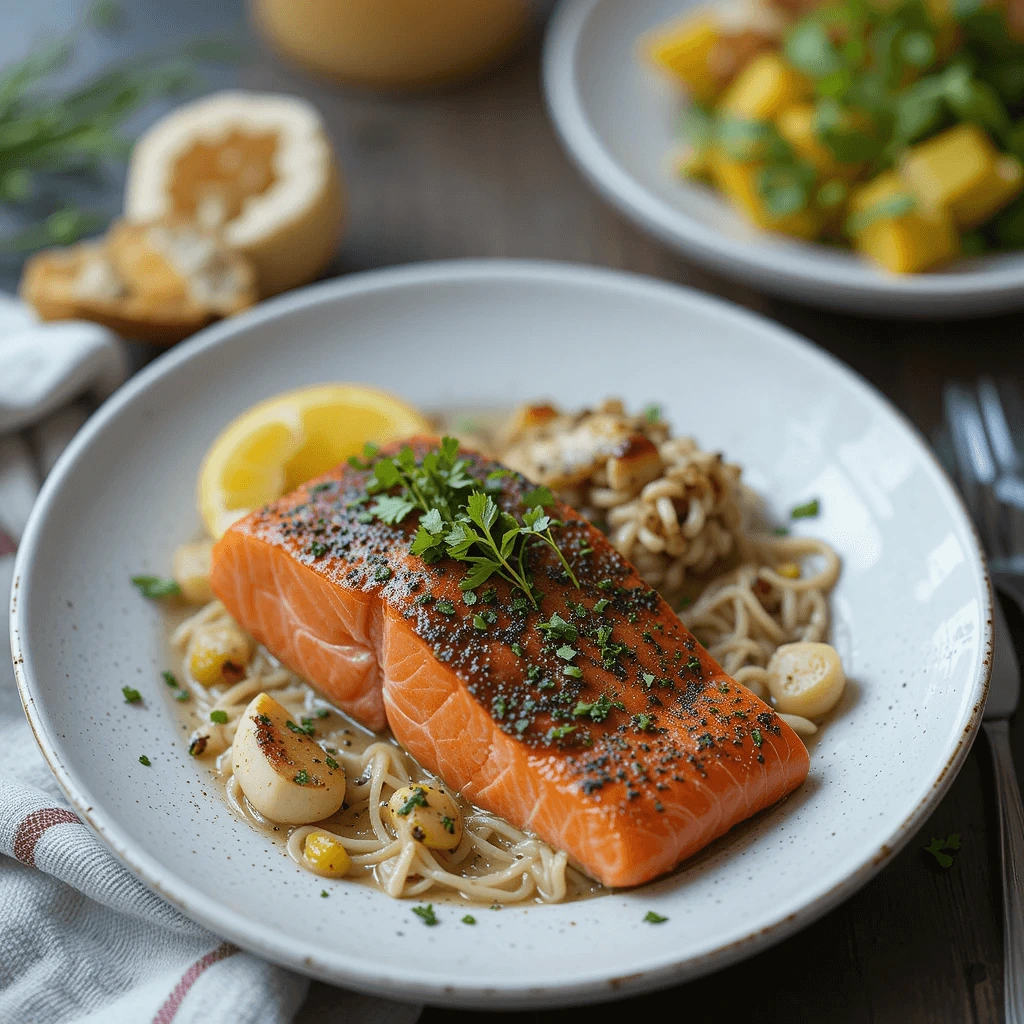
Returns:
(630, 754)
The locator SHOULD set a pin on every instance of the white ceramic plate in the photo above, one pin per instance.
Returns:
(617, 117)
(912, 613)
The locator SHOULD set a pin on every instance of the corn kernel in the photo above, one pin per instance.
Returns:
(789, 569)
(219, 654)
(325, 854)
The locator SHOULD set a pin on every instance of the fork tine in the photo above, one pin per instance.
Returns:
(997, 425)
(977, 468)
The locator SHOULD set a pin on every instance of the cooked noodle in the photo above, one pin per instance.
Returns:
(494, 864)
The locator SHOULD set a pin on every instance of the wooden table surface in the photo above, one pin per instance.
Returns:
(479, 172)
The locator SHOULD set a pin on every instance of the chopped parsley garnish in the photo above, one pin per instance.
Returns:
(263, 719)
(652, 918)
(597, 710)
(600, 606)
(652, 413)
(559, 732)
(418, 798)
(480, 623)
(323, 713)
(143, 760)
(426, 914)
(318, 549)
(643, 722)
(517, 650)
(170, 679)
(573, 672)
(220, 717)
(370, 451)
(566, 653)
(937, 847)
(131, 695)
(324, 894)
(382, 574)
(808, 510)
(459, 519)
(489, 596)
(301, 777)
(648, 678)
(155, 587)
(445, 607)
(557, 628)
(755, 735)
(781, 531)
(306, 729)
(448, 824)
(469, 919)
(469, 597)
(331, 763)
(522, 725)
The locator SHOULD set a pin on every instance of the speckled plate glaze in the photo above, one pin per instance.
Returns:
(618, 119)
(912, 619)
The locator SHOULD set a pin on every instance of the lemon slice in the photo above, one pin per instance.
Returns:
(257, 168)
(275, 446)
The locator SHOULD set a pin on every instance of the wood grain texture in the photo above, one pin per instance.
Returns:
(479, 172)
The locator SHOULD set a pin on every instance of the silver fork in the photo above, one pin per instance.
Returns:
(989, 464)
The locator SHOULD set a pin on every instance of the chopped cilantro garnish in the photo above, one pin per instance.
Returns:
(382, 574)
(559, 732)
(170, 679)
(652, 918)
(131, 695)
(755, 735)
(301, 777)
(557, 628)
(566, 653)
(480, 623)
(426, 914)
(331, 763)
(643, 722)
(469, 919)
(324, 894)
(445, 607)
(156, 586)
(600, 606)
(573, 672)
(448, 824)
(469, 597)
(220, 717)
(143, 760)
(517, 650)
(808, 510)
(306, 729)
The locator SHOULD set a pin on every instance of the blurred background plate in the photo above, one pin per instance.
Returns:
(617, 117)
(911, 619)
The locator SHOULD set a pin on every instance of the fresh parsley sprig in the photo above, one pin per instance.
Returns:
(458, 517)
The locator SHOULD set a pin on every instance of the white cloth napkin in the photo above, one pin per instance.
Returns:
(81, 939)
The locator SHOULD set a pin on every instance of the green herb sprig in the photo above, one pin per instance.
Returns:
(459, 517)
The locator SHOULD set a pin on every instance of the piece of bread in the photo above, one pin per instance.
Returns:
(156, 282)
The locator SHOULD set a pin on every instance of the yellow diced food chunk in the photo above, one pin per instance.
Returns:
(219, 654)
(899, 232)
(765, 87)
(690, 162)
(738, 181)
(960, 169)
(684, 50)
(325, 854)
(796, 126)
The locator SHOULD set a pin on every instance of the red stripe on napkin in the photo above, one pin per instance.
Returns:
(31, 830)
(173, 1003)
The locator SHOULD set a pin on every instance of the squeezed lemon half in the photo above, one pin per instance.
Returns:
(275, 446)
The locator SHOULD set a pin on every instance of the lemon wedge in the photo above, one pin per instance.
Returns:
(275, 446)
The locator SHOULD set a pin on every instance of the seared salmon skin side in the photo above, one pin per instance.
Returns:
(597, 722)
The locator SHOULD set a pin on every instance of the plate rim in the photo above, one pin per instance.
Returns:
(857, 288)
(339, 968)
